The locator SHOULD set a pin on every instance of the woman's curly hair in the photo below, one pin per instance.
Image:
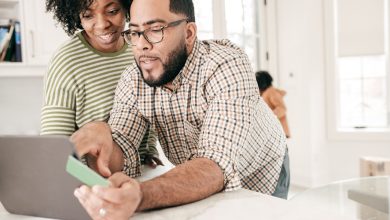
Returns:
(67, 12)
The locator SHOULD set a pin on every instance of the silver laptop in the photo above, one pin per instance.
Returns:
(33, 180)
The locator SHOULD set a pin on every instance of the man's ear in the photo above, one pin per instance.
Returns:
(191, 32)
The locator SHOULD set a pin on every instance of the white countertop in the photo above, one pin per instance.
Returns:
(240, 204)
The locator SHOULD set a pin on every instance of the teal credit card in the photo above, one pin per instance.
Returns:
(83, 173)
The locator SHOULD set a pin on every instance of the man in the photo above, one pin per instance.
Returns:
(202, 100)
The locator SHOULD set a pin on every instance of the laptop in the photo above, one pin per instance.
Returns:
(33, 180)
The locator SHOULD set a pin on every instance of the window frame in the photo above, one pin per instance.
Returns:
(266, 26)
(334, 132)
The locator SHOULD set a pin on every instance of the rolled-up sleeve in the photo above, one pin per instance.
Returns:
(227, 121)
(127, 124)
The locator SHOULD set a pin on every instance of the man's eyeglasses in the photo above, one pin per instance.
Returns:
(153, 35)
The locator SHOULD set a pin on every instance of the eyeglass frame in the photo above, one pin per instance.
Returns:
(170, 24)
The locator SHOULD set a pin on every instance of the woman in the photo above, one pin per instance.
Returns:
(81, 79)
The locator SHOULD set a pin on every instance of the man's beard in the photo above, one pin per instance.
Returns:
(176, 61)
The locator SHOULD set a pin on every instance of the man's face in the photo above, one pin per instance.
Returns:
(159, 62)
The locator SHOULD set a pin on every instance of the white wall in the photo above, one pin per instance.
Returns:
(20, 104)
(315, 160)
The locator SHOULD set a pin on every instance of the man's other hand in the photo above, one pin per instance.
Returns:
(151, 160)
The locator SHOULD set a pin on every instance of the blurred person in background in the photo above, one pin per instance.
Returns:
(273, 97)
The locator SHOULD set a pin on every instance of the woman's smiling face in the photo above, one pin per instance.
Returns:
(103, 23)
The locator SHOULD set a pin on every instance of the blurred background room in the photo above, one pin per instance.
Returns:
(330, 56)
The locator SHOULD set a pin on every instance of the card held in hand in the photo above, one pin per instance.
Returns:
(83, 173)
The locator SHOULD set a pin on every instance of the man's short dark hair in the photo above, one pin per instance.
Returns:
(184, 7)
(264, 80)
(67, 12)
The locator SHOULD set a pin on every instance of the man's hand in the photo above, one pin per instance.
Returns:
(192, 181)
(152, 160)
(95, 140)
(119, 201)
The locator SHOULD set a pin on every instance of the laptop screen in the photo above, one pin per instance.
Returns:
(33, 180)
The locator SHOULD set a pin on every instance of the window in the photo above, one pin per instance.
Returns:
(357, 37)
(363, 91)
(237, 20)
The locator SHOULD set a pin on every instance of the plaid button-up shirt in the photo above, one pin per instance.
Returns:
(214, 112)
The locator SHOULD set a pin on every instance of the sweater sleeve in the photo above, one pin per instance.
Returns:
(148, 145)
(58, 112)
(57, 120)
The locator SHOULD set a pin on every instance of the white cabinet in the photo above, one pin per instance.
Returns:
(21, 84)
(40, 35)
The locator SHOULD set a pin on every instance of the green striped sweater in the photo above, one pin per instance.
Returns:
(79, 88)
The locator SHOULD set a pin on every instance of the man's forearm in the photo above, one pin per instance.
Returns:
(192, 181)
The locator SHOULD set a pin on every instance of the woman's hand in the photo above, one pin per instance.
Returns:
(118, 201)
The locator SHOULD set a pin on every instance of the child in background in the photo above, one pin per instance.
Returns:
(273, 97)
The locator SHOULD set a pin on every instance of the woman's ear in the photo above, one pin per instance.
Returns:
(191, 32)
